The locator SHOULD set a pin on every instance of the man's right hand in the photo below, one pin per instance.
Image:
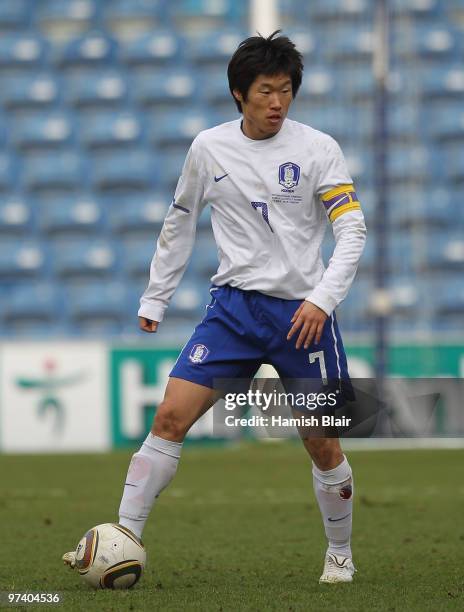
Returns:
(147, 325)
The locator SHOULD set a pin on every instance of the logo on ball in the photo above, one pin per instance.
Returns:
(289, 175)
(198, 353)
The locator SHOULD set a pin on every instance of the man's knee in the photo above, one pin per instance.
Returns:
(325, 452)
(168, 423)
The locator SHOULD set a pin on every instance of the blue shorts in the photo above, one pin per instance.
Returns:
(244, 329)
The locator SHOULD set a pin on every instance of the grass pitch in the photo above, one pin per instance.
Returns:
(239, 529)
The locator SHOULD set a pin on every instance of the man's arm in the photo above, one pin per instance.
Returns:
(175, 243)
(343, 209)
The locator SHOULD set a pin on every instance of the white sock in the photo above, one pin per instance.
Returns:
(151, 470)
(334, 494)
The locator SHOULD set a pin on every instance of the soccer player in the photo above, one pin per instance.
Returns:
(272, 184)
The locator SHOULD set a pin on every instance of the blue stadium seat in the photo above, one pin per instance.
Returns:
(8, 171)
(442, 82)
(306, 42)
(353, 314)
(415, 8)
(426, 41)
(445, 251)
(454, 162)
(156, 48)
(445, 120)
(79, 214)
(65, 20)
(168, 87)
(15, 15)
(98, 306)
(413, 162)
(204, 15)
(422, 207)
(171, 168)
(22, 50)
(318, 82)
(216, 49)
(131, 169)
(404, 121)
(180, 127)
(140, 214)
(348, 45)
(129, 18)
(450, 297)
(97, 88)
(136, 257)
(93, 49)
(51, 130)
(54, 170)
(84, 258)
(15, 215)
(30, 91)
(26, 258)
(340, 10)
(188, 302)
(38, 302)
(110, 130)
(204, 261)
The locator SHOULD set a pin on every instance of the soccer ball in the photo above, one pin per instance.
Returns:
(109, 556)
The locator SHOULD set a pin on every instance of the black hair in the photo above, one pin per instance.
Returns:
(259, 55)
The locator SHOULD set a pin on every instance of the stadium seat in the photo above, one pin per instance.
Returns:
(40, 302)
(110, 130)
(62, 21)
(26, 258)
(75, 215)
(94, 48)
(167, 87)
(454, 162)
(171, 169)
(30, 91)
(136, 257)
(83, 258)
(445, 81)
(15, 215)
(51, 130)
(180, 127)
(15, 15)
(450, 297)
(188, 302)
(156, 48)
(204, 261)
(8, 171)
(139, 214)
(129, 169)
(348, 46)
(127, 19)
(424, 41)
(54, 170)
(353, 313)
(319, 82)
(404, 121)
(412, 162)
(22, 50)
(445, 251)
(340, 10)
(444, 120)
(415, 8)
(422, 207)
(205, 16)
(98, 306)
(217, 49)
(97, 88)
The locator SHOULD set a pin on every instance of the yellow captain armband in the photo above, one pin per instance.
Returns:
(340, 200)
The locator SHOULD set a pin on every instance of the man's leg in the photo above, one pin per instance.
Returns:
(153, 466)
(333, 487)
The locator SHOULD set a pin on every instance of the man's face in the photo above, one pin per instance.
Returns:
(266, 107)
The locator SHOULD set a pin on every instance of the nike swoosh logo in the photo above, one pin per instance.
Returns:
(217, 179)
(128, 484)
(339, 519)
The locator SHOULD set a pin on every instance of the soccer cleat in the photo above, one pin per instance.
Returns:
(337, 569)
(69, 558)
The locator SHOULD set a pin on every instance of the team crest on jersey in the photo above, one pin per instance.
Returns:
(198, 353)
(289, 175)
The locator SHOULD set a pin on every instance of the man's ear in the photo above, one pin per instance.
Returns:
(237, 95)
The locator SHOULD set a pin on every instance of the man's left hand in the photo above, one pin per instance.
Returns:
(311, 319)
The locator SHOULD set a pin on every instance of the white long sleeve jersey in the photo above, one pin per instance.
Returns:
(270, 204)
